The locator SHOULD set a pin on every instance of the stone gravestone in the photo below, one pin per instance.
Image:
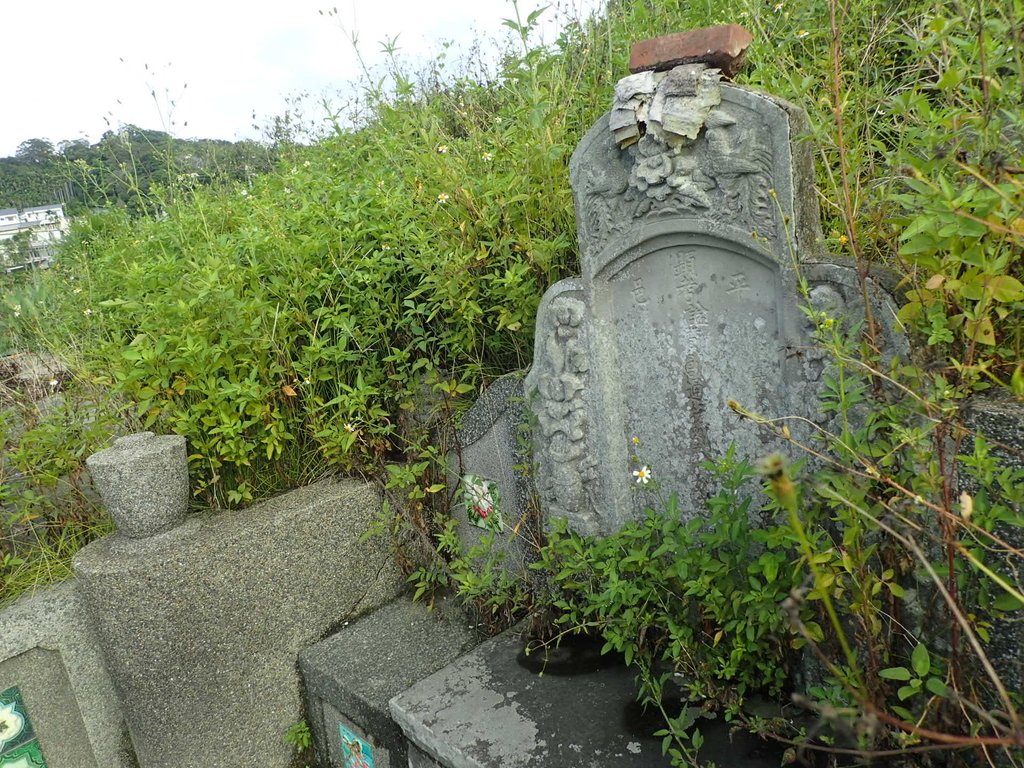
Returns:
(694, 205)
(491, 470)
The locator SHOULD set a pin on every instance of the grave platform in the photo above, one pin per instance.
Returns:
(352, 674)
(497, 707)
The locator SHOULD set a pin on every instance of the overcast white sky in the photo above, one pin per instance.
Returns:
(74, 69)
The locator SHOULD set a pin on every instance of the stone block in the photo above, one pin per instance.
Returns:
(143, 480)
(495, 452)
(50, 655)
(202, 625)
(723, 47)
(999, 418)
(351, 676)
(496, 708)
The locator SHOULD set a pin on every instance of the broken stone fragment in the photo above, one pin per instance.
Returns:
(723, 47)
(635, 86)
(682, 102)
(670, 106)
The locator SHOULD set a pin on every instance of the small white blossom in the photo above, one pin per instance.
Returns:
(442, 149)
(87, 313)
(442, 198)
(487, 156)
(642, 475)
(11, 722)
(966, 505)
(802, 33)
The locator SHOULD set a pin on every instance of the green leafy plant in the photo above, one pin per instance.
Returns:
(300, 738)
(693, 602)
(299, 735)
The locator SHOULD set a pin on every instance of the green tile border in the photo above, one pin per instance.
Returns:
(20, 748)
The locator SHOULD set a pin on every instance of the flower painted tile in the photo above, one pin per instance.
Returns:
(482, 501)
(19, 747)
(356, 752)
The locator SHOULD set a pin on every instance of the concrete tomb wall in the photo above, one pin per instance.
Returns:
(177, 643)
(51, 660)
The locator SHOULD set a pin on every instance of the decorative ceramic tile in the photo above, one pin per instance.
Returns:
(19, 747)
(482, 500)
(356, 752)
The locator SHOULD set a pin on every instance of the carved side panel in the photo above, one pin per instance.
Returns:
(557, 392)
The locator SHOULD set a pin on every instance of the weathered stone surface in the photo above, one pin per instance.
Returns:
(420, 759)
(673, 107)
(202, 625)
(49, 652)
(1000, 420)
(143, 479)
(495, 446)
(688, 299)
(723, 47)
(351, 676)
(491, 709)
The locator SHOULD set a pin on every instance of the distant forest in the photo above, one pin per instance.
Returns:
(122, 168)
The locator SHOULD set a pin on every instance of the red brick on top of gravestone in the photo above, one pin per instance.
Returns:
(723, 47)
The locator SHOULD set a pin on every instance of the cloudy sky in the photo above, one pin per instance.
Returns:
(200, 68)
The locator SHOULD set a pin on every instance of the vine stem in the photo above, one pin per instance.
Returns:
(849, 221)
(954, 608)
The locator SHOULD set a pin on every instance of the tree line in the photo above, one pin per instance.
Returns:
(122, 168)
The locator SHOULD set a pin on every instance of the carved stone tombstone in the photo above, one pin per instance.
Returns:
(692, 203)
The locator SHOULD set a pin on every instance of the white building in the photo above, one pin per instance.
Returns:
(29, 238)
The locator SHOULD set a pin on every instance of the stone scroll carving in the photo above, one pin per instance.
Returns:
(688, 214)
(565, 469)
